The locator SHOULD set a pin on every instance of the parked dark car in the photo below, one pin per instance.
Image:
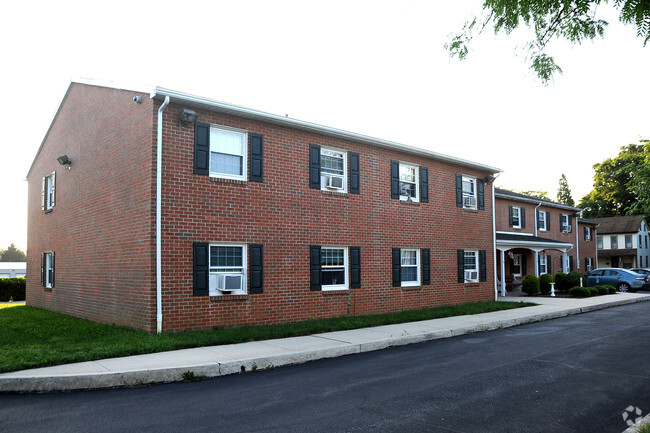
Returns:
(646, 273)
(623, 279)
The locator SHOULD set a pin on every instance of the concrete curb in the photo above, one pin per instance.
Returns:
(328, 345)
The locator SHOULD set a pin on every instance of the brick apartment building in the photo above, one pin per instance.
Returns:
(168, 211)
(536, 236)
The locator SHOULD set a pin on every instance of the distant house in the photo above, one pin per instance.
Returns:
(623, 242)
(537, 236)
(169, 211)
(13, 269)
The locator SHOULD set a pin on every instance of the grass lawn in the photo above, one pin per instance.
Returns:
(32, 337)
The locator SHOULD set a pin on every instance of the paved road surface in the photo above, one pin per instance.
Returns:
(575, 374)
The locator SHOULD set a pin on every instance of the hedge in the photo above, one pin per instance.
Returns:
(580, 292)
(12, 289)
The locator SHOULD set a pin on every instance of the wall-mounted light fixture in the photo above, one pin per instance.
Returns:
(189, 116)
(489, 178)
(65, 161)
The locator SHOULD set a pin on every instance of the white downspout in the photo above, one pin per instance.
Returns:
(494, 239)
(577, 243)
(159, 315)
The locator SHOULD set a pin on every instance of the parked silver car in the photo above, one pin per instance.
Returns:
(623, 279)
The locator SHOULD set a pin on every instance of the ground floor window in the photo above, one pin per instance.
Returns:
(227, 269)
(543, 264)
(334, 268)
(517, 260)
(471, 266)
(47, 269)
(410, 264)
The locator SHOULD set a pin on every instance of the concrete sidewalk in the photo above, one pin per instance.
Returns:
(235, 358)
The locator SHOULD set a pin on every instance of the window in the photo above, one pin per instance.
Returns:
(228, 153)
(589, 264)
(47, 192)
(333, 170)
(410, 267)
(542, 220)
(613, 242)
(543, 264)
(588, 234)
(47, 269)
(471, 266)
(565, 223)
(334, 268)
(408, 182)
(469, 192)
(628, 241)
(599, 242)
(227, 269)
(516, 264)
(515, 217)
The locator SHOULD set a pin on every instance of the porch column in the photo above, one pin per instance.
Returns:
(503, 272)
(536, 260)
(564, 262)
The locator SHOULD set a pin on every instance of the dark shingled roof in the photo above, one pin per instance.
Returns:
(619, 224)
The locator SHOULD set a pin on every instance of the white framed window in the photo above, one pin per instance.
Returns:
(516, 265)
(47, 269)
(589, 263)
(469, 192)
(516, 217)
(409, 182)
(543, 264)
(47, 192)
(227, 269)
(410, 266)
(228, 153)
(628, 241)
(541, 221)
(333, 170)
(588, 234)
(565, 223)
(613, 242)
(334, 268)
(470, 262)
(599, 242)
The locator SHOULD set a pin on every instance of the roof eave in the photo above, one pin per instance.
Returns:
(534, 200)
(212, 105)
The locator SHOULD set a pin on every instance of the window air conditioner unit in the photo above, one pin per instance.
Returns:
(334, 182)
(229, 282)
(469, 201)
(471, 275)
(566, 229)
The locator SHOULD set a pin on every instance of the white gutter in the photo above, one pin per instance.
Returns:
(158, 217)
(494, 246)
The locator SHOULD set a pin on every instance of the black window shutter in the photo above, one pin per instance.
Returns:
(548, 220)
(397, 267)
(355, 184)
(424, 185)
(461, 265)
(52, 268)
(570, 263)
(548, 265)
(201, 148)
(537, 219)
(355, 267)
(257, 158)
(426, 266)
(570, 219)
(482, 263)
(315, 280)
(201, 263)
(524, 267)
(257, 268)
(43, 269)
(522, 216)
(394, 180)
(459, 194)
(560, 222)
(481, 193)
(510, 216)
(314, 167)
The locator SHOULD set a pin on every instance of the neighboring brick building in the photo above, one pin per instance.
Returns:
(264, 219)
(623, 242)
(536, 236)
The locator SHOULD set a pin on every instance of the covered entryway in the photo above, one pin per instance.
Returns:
(527, 251)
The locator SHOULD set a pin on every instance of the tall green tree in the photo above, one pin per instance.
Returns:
(620, 184)
(564, 192)
(12, 254)
(573, 20)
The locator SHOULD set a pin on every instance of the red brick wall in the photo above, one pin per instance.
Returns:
(287, 216)
(100, 228)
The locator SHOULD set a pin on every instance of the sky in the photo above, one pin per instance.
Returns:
(375, 67)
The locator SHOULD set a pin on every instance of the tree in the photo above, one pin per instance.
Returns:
(564, 192)
(573, 20)
(12, 254)
(621, 184)
(537, 194)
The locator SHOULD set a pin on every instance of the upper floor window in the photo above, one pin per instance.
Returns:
(565, 223)
(408, 182)
(628, 241)
(228, 153)
(47, 192)
(333, 170)
(599, 242)
(227, 269)
(543, 220)
(469, 192)
(517, 217)
(588, 234)
(613, 240)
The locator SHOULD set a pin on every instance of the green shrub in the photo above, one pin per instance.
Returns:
(545, 281)
(611, 289)
(573, 279)
(580, 292)
(12, 289)
(603, 290)
(593, 291)
(559, 282)
(530, 284)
